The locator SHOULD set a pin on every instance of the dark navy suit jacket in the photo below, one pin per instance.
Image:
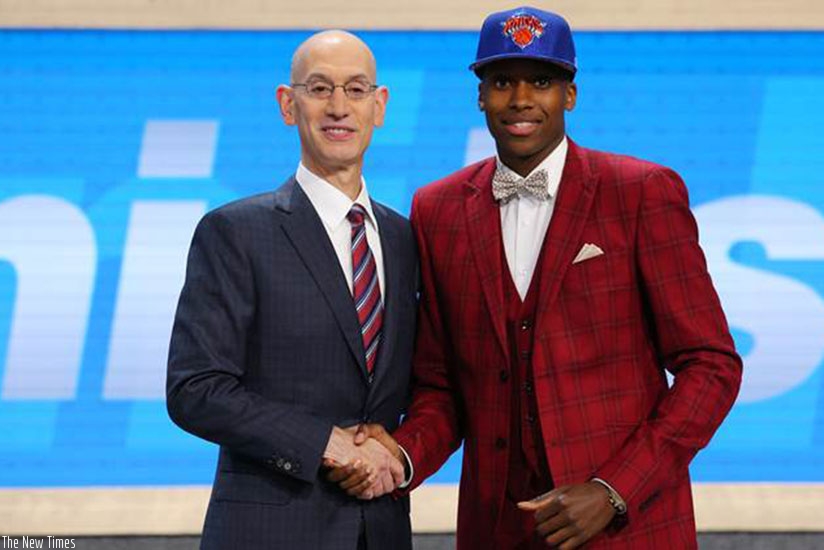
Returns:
(266, 356)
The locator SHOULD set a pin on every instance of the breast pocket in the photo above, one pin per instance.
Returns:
(612, 270)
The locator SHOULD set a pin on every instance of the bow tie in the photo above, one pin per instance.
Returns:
(506, 185)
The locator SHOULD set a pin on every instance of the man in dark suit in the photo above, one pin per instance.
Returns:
(558, 285)
(295, 323)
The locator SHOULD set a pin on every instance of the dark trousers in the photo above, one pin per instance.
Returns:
(362, 537)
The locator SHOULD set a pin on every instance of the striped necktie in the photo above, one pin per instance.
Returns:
(366, 291)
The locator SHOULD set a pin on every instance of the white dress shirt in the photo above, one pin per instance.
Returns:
(332, 206)
(525, 219)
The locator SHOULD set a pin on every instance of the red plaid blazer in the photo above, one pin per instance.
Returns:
(605, 331)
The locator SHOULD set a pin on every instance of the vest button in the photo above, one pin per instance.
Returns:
(526, 324)
(500, 443)
(504, 375)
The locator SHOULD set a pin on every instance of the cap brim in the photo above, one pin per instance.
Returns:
(511, 55)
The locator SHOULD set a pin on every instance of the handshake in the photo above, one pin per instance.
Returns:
(364, 460)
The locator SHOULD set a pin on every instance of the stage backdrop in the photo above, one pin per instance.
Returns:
(113, 144)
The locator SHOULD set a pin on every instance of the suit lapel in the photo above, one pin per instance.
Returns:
(483, 219)
(305, 230)
(390, 246)
(563, 239)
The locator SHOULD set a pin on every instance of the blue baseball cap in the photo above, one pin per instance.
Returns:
(529, 33)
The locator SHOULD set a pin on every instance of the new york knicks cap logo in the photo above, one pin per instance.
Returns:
(523, 29)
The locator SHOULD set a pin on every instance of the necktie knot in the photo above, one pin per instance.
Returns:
(507, 184)
(356, 214)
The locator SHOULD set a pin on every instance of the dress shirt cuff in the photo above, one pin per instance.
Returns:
(408, 470)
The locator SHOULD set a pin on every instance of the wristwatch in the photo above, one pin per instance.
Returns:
(615, 499)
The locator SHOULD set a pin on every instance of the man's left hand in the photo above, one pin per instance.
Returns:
(569, 516)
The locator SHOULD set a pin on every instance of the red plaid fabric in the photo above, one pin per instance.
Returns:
(366, 291)
(605, 331)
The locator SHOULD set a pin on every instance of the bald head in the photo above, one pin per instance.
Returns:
(334, 44)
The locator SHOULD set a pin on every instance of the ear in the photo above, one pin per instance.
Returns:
(286, 101)
(571, 96)
(381, 99)
(481, 104)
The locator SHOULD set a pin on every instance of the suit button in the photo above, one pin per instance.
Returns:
(504, 375)
(287, 466)
(500, 443)
(279, 463)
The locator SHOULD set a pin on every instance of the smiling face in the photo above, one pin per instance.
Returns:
(334, 132)
(524, 101)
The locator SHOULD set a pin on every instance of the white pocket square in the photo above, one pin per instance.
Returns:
(587, 252)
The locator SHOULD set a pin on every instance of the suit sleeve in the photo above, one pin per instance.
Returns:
(205, 393)
(693, 342)
(432, 429)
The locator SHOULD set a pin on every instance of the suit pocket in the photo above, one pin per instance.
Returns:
(609, 271)
(248, 487)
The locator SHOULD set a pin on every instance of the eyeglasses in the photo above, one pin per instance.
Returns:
(323, 89)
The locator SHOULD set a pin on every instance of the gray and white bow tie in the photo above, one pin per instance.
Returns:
(506, 185)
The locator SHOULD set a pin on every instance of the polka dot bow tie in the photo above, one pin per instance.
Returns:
(506, 185)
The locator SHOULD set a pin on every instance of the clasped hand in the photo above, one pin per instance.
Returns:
(359, 462)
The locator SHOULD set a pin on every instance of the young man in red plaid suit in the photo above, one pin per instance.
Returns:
(558, 285)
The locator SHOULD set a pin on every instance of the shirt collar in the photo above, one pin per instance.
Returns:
(332, 204)
(553, 164)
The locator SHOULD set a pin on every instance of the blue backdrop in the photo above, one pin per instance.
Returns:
(113, 144)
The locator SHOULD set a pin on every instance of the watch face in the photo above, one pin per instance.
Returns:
(620, 507)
